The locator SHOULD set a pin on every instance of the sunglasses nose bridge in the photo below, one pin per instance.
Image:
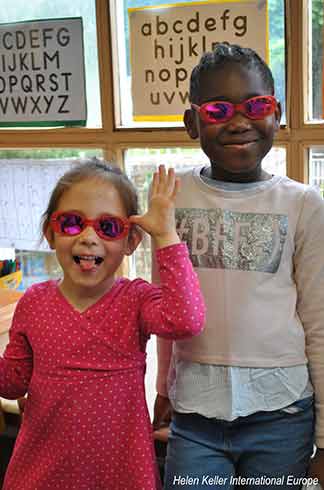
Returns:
(89, 222)
(89, 231)
(239, 120)
(240, 109)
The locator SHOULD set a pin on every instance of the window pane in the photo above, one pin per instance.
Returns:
(140, 164)
(20, 10)
(122, 62)
(27, 177)
(315, 54)
(37, 267)
(316, 168)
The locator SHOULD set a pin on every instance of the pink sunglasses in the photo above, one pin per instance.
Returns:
(220, 111)
(72, 223)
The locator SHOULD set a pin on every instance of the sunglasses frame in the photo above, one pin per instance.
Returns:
(95, 223)
(235, 108)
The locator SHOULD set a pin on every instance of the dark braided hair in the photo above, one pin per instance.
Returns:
(225, 53)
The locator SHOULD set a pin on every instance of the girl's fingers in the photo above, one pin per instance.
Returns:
(163, 181)
(158, 182)
(162, 172)
(176, 188)
(155, 183)
(170, 181)
(162, 178)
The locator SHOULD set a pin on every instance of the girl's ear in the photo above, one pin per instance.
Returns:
(134, 239)
(189, 119)
(49, 235)
(277, 116)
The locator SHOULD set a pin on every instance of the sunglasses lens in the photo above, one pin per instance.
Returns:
(70, 224)
(219, 111)
(111, 227)
(260, 107)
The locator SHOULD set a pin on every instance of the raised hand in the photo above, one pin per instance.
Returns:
(159, 220)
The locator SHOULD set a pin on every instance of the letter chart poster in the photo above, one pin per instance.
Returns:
(167, 41)
(42, 81)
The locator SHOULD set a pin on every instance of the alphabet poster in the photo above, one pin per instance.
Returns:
(167, 41)
(42, 81)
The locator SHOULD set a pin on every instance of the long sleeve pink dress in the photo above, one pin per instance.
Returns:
(86, 425)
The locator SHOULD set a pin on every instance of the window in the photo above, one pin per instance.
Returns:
(315, 62)
(123, 76)
(19, 10)
(26, 181)
(316, 168)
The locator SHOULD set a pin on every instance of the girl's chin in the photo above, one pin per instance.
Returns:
(91, 284)
(236, 166)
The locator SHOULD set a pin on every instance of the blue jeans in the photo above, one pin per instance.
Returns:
(263, 451)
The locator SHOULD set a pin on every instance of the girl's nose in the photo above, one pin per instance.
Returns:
(239, 122)
(88, 236)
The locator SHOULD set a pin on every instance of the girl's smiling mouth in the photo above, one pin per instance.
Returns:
(88, 262)
(239, 145)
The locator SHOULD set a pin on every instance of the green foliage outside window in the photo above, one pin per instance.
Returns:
(317, 52)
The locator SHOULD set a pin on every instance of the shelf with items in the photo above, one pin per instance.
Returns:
(11, 281)
(10, 273)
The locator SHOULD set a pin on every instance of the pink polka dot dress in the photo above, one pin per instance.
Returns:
(86, 425)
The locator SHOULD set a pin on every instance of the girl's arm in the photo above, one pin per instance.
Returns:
(174, 309)
(16, 365)
(309, 277)
(162, 405)
(164, 348)
(164, 355)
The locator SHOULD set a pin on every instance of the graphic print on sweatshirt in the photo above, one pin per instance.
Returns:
(223, 239)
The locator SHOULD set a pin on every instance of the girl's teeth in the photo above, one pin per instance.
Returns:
(90, 259)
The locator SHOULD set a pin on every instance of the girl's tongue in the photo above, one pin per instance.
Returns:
(87, 263)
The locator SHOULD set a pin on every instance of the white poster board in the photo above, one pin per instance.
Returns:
(42, 80)
(167, 42)
(25, 188)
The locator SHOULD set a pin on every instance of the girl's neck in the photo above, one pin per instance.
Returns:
(219, 173)
(82, 298)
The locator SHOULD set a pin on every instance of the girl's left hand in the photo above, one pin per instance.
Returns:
(159, 220)
(316, 468)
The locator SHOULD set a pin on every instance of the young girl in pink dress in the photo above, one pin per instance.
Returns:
(77, 345)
